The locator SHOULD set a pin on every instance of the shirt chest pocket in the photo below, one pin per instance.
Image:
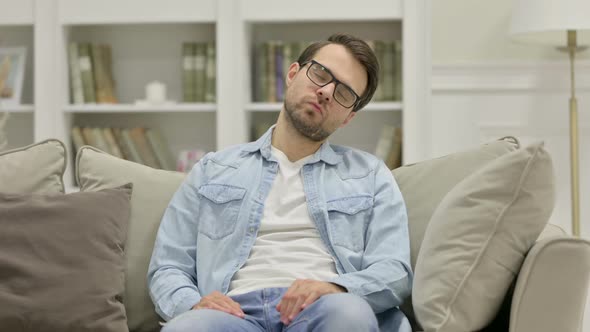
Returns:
(219, 209)
(348, 219)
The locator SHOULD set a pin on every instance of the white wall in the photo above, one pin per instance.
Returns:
(486, 86)
(466, 30)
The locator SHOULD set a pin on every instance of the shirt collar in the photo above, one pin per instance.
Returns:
(325, 153)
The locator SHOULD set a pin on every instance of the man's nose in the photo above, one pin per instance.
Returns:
(325, 93)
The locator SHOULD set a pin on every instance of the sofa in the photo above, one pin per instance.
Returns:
(484, 257)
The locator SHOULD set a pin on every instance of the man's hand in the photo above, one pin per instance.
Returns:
(301, 294)
(218, 301)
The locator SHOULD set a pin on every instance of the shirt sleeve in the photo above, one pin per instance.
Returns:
(385, 278)
(172, 276)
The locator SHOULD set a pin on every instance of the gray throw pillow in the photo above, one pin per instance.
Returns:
(36, 168)
(477, 240)
(62, 265)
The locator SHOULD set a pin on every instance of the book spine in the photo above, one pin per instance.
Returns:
(200, 72)
(211, 73)
(188, 78)
(87, 73)
(76, 89)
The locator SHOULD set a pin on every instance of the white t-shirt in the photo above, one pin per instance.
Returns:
(288, 245)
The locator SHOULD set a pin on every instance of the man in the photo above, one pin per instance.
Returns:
(290, 233)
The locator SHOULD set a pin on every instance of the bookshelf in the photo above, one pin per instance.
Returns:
(16, 30)
(146, 38)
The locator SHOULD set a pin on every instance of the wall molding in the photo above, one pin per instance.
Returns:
(475, 77)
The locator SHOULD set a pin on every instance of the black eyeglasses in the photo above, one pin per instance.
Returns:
(322, 76)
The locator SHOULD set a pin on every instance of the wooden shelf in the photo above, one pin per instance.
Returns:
(24, 108)
(371, 107)
(132, 108)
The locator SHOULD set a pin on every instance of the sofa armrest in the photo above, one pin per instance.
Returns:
(551, 288)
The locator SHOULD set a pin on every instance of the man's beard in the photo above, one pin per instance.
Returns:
(313, 132)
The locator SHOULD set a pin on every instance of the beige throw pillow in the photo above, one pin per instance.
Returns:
(423, 185)
(36, 168)
(152, 191)
(477, 239)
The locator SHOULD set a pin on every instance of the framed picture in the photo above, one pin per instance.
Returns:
(12, 71)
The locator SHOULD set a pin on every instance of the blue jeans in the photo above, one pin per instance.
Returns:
(334, 312)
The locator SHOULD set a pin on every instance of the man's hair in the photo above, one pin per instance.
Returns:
(361, 51)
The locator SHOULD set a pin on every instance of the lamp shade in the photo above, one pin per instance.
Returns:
(546, 21)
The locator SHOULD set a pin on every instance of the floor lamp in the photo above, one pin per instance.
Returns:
(564, 24)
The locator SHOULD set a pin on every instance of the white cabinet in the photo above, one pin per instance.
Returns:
(146, 39)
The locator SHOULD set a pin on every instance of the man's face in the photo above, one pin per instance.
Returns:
(311, 109)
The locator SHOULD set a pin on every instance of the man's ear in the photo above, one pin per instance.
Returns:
(293, 69)
(348, 118)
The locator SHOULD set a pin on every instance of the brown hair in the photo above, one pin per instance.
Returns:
(361, 51)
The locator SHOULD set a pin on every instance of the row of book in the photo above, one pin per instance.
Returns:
(141, 145)
(91, 73)
(389, 146)
(273, 58)
(198, 72)
(389, 55)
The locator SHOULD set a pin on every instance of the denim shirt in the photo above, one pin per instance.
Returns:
(211, 223)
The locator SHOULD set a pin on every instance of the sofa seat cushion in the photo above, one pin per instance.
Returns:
(37, 168)
(477, 238)
(152, 191)
(62, 261)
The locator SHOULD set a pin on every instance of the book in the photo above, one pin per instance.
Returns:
(103, 77)
(200, 67)
(86, 72)
(188, 76)
(394, 157)
(398, 71)
(279, 72)
(130, 146)
(385, 142)
(100, 141)
(271, 71)
(76, 89)
(161, 149)
(388, 71)
(77, 139)
(112, 143)
(88, 136)
(125, 151)
(142, 146)
(261, 77)
(211, 73)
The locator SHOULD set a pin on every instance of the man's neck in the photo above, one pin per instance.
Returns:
(287, 139)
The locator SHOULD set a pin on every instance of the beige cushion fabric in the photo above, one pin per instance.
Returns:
(62, 262)
(477, 239)
(37, 168)
(424, 184)
(152, 190)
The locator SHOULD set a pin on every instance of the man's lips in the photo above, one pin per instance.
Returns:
(317, 107)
